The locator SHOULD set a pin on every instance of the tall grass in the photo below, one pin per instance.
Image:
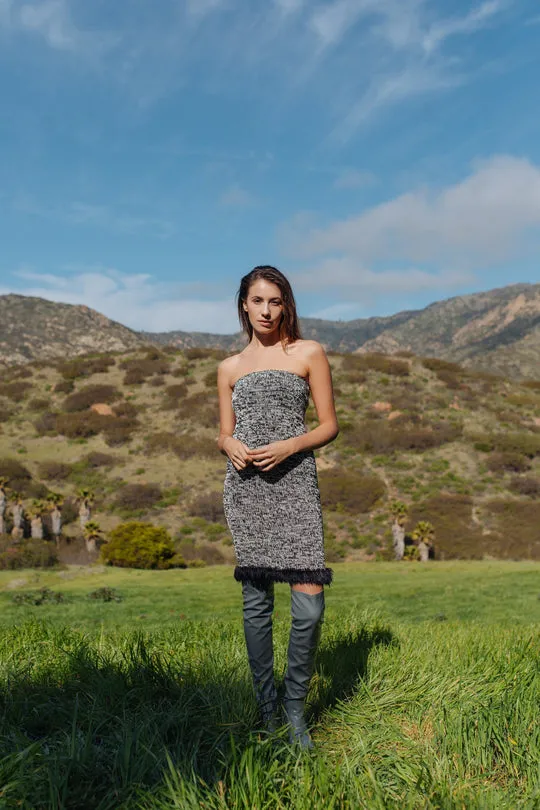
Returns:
(430, 715)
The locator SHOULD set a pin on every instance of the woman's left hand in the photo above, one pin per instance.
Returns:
(270, 455)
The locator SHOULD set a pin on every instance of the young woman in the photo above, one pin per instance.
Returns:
(271, 494)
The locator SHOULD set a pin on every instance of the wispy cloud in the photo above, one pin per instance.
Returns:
(447, 234)
(105, 217)
(477, 18)
(53, 22)
(484, 218)
(139, 301)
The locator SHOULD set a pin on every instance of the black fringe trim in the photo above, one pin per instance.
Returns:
(294, 576)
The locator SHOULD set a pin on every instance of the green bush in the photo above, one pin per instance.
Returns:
(105, 594)
(5, 413)
(139, 545)
(42, 597)
(90, 395)
(119, 430)
(350, 491)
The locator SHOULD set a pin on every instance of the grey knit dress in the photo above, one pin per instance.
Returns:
(274, 517)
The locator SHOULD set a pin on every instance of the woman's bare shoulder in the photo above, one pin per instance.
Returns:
(228, 367)
(308, 349)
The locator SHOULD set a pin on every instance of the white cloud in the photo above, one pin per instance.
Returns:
(489, 216)
(475, 19)
(135, 300)
(289, 6)
(50, 19)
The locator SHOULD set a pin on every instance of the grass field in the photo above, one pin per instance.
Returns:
(426, 695)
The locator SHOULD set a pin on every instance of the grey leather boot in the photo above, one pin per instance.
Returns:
(307, 611)
(258, 609)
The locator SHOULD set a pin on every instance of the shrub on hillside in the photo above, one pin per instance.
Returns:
(38, 404)
(64, 387)
(16, 391)
(97, 459)
(533, 384)
(350, 491)
(45, 424)
(375, 362)
(139, 545)
(526, 485)
(187, 446)
(527, 444)
(119, 430)
(80, 425)
(508, 462)
(20, 479)
(134, 377)
(26, 554)
(202, 552)
(375, 436)
(146, 366)
(85, 366)
(514, 528)
(210, 379)
(456, 534)
(172, 395)
(5, 413)
(127, 409)
(54, 470)
(90, 395)
(437, 364)
(157, 381)
(209, 506)
(138, 496)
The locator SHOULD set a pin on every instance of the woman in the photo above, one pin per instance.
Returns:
(271, 494)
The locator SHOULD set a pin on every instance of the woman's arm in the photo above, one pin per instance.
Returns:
(227, 444)
(320, 380)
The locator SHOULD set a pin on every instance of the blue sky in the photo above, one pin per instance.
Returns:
(383, 153)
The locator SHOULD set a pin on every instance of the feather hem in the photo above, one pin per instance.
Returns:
(294, 576)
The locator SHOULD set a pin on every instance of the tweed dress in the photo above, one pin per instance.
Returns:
(274, 516)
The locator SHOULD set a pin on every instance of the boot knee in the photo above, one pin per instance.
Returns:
(307, 608)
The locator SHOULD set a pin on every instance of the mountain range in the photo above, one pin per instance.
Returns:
(497, 330)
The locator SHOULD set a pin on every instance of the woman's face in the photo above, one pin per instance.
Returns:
(264, 306)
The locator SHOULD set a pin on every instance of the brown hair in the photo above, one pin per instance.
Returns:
(289, 328)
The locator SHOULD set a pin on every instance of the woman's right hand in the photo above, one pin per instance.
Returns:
(237, 452)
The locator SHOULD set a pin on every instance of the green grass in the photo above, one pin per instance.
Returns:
(501, 592)
(426, 693)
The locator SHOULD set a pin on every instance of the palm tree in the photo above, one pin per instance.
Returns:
(399, 512)
(424, 535)
(36, 519)
(92, 533)
(86, 498)
(3, 502)
(56, 501)
(17, 511)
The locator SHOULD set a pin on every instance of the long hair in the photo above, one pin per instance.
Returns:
(289, 328)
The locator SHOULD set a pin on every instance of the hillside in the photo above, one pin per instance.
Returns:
(36, 329)
(461, 448)
(498, 331)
